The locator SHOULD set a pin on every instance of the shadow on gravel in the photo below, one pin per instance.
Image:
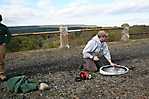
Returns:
(59, 65)
(45, 68)
(71, 62)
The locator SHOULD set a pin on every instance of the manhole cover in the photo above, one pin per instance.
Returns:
(110, 70)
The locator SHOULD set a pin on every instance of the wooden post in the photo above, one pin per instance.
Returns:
(64, 37)
(125, 32)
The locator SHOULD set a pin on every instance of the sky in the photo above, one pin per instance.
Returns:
(89, 12)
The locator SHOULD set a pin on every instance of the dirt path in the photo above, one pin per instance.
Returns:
(59, 67)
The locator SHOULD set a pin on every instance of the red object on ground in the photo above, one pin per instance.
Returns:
(84, 75)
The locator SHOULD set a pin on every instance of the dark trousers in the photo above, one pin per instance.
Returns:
(94, 66)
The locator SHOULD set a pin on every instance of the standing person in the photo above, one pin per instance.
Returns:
(4, 39)
(96, 52)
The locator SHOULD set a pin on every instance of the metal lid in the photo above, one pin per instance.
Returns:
(110, 70)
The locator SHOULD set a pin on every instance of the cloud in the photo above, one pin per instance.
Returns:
(75, 12)
(18, 13)
(129, 6)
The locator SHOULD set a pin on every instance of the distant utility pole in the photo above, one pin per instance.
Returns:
(125, 32)
(64, 43)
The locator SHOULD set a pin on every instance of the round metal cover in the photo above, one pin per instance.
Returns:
(110, 70)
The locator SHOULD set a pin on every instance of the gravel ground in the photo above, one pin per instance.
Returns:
(59, 67)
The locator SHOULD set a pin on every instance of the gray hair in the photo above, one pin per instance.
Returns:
(102, 33)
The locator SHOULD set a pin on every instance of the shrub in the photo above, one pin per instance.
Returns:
(23, 43)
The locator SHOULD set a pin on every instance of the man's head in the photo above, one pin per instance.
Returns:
(103, 36)
(0, 17)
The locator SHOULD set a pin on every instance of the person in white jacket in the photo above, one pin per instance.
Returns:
(96, 52)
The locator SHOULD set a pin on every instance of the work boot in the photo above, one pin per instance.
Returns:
(2, 77)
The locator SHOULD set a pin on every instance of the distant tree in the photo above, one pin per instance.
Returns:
(125, 25)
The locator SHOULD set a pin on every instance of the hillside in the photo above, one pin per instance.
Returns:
(59, 67)
(44, 28)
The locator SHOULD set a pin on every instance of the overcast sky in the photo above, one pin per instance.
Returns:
(90, 12)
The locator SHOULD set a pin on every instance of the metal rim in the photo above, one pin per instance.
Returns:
(111, 73)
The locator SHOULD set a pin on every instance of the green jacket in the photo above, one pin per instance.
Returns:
(21, 84)
(5, 35)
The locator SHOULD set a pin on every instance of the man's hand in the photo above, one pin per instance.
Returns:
(113, 64)
(95, 58)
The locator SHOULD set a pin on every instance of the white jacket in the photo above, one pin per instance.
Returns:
(95, 46)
